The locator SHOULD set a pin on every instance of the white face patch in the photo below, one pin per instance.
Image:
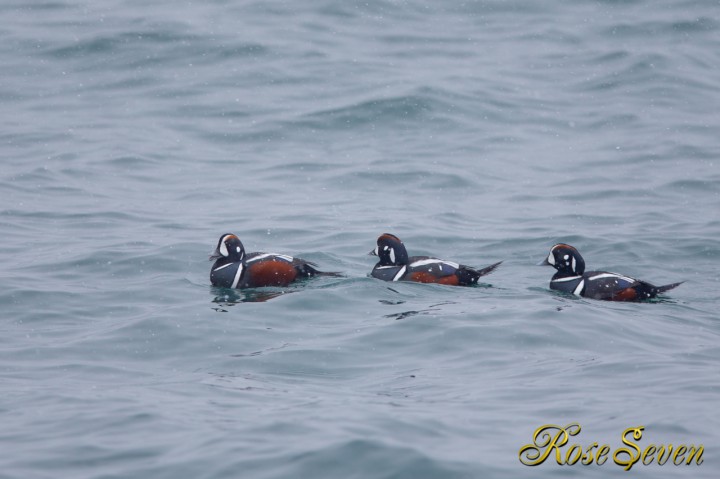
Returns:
(377, 252)
(566, 256)
(392, 254)
(223, 247)
(551, 259)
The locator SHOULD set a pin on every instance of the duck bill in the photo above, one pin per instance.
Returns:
(215, 255)
(543, 263)
(372, 253)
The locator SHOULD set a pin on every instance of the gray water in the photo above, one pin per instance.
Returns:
(134, 135)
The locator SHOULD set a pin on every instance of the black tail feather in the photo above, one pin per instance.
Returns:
(488, 269)
(469, 276)
(309, 269)
(667, 287)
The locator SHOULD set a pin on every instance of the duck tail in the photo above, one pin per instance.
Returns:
(668, 287)
(310, 269)
(488, 269)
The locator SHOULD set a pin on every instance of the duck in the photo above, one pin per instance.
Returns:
(571, 277)
(394, 264)
(234, 268)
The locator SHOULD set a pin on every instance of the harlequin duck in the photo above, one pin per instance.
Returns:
(234, 268)
(571, 277)
(395, 265)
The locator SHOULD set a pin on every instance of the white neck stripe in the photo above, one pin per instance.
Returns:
(579, 288)
(223, 266)
(238, 274)
(400, 273)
